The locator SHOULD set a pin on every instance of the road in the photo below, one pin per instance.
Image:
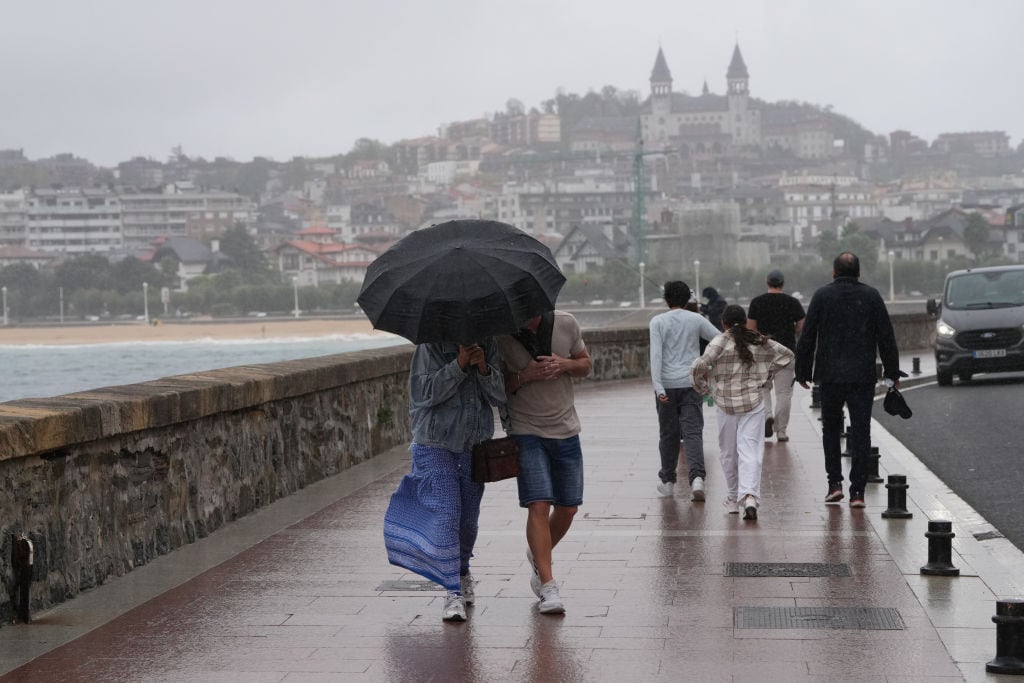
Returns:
(970, 436)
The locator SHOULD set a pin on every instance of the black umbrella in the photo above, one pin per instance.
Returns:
(460, 281)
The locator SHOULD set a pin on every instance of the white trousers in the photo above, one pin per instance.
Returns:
(741, 445)
(783, 382)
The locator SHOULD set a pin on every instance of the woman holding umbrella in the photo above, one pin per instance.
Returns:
(444, 288)
(431, 524)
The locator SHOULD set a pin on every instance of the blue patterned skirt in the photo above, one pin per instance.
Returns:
(431, 523)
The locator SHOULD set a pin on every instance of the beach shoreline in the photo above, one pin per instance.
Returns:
(173, 331)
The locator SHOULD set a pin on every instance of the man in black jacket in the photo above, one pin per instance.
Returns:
(846, 328)
(714, 308)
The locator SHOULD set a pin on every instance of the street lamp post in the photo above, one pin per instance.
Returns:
(61, 305)
(696, 270)
(892, 289)
(145, 302)
(295, 288)
(737, 291)
(5, 305)
(642, 299)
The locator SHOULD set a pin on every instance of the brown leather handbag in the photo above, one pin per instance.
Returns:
(495, 459)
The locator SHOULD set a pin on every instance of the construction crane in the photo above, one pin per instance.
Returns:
(639, 196)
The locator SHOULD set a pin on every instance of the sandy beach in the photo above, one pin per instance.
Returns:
(99, 333)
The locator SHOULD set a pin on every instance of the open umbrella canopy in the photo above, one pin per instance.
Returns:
(460, 281)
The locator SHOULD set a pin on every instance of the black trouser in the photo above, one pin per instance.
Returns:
(20, 596)
(858, 399)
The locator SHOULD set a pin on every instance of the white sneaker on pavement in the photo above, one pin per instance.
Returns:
(781, 435)
(667, 488)
(749, 507)
(731, 506)
(550, 601)
(535, 576)
(697, 488)
(468, 583)
(454, 607)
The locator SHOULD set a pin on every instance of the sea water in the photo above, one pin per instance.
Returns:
(41, 370)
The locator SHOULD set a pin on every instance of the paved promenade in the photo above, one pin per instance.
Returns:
(302, 591)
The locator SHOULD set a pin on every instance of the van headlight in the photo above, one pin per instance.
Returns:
(943, 329)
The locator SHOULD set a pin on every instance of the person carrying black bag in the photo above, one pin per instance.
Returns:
(846, 328)
(540, 362)
(22, 561)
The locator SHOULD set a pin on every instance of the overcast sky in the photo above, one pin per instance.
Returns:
(111, 79)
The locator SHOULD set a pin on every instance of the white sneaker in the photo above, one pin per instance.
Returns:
(667, 488)
(749, 507)
(468, 583)
(731, 506)
(454, 607)
(550, 602)
(697, 488)
(781, 435)
(535, 577)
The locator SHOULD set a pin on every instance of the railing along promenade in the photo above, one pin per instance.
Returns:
(104, 481)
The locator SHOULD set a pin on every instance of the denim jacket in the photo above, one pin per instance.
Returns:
(451, 408)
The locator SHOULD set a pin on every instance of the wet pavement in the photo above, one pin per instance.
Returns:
(301, 590)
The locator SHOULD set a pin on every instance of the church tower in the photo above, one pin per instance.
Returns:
(744, 123)
(737, 76)
(661, 87)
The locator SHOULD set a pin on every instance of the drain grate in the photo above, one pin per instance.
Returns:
(850, 618)
(408, 586)
(762, 569)
(642, 515)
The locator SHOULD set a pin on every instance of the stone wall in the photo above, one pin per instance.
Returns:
(106, 480)
(914, 331)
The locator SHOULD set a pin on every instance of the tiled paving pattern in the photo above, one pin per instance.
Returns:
(643, 578)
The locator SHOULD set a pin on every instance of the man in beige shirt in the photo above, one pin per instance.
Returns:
(540, 363)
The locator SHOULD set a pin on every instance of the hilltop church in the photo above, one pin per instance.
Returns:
(705, 124)
(710, 125)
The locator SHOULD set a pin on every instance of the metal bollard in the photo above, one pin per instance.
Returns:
(940, 549)
(1009, 620)
(897, 498)
(815, 397)
(916, 365)
(873, 476)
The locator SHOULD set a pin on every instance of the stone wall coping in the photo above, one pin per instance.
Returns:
(38, 426)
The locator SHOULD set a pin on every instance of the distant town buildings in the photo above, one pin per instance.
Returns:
(73, 221)
(725, 178)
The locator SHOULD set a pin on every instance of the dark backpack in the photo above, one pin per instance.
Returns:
(20, 553)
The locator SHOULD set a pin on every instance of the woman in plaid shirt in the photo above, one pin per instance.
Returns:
(734, 370)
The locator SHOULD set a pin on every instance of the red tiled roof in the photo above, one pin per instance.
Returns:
(316, 230)
(23, 252)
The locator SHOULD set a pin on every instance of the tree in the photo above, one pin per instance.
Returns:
(853, 240)
(89, 271)
(976, 235)
(245, 254)
(20, 276)
(828, 245)
(366, 149)
(128, 274)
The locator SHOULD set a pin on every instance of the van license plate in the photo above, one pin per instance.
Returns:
(990, 353)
